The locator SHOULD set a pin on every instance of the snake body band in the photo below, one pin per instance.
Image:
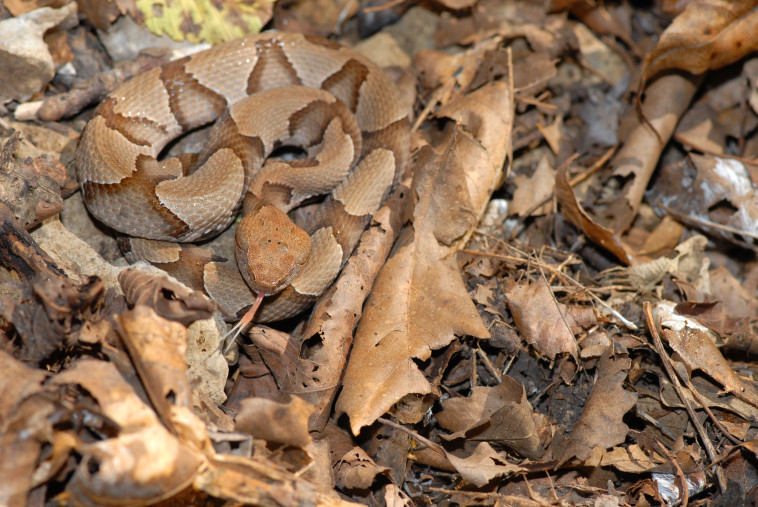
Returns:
(264, 92)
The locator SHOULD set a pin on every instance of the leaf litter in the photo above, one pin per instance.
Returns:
(556, 306)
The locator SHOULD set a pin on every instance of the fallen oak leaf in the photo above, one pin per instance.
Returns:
(696, 345)
(499, 414)
(540, 318)
(573, 211)
(170, 300)
(600, 425)
(708, 34)
(419, 302)
(281, 423)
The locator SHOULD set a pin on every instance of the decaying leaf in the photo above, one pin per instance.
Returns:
(23, 424)
(170, 300)
(720, 198)
(540, 318)
(688, 263)
(419, 302)
(574, 212)
(144, 463)
(696, 345)
(499, 415)
(709, 34)
(32, 188)
(281, 423)
(204, 20)
(530, 191)
(601, 425)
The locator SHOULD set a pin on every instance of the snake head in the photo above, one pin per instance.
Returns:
(270, 249)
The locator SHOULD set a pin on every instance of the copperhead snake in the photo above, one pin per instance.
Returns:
(263, 92)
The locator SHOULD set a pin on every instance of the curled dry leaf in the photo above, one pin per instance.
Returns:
(483, 465)
(157, 348)
(666, 100)
(144, 463)
(709, 34)
(353, 468)
(540, 318)
(600, 424)
(281, 423)
(50, 313)
(573, 211)
(696, 345)
(499, 414)
(170, 300)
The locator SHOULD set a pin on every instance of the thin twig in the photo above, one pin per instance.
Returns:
(684, 491)
(647, 309)
(488, 365)
(433, 446)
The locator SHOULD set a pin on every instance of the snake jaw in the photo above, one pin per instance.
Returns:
(271, 250)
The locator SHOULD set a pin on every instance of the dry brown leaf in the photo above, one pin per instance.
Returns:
(50, 311)
(499, 414)
(532, 190)
(710, 391)
(600, 425)
(401, 321)
(631, 459)
(666, 99)
(573, 211)
(419, 302)
(540, 318)
(157, 348)
(687, 261)
(486, 115)
(696, 345)
(247, 481)
(281, 423)
(18, 7)
(144, 463)
(23, 426)
(708, 34)
(317, 373)
(170, 300)
(353, 468)
(719, 198)
(483, 465)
